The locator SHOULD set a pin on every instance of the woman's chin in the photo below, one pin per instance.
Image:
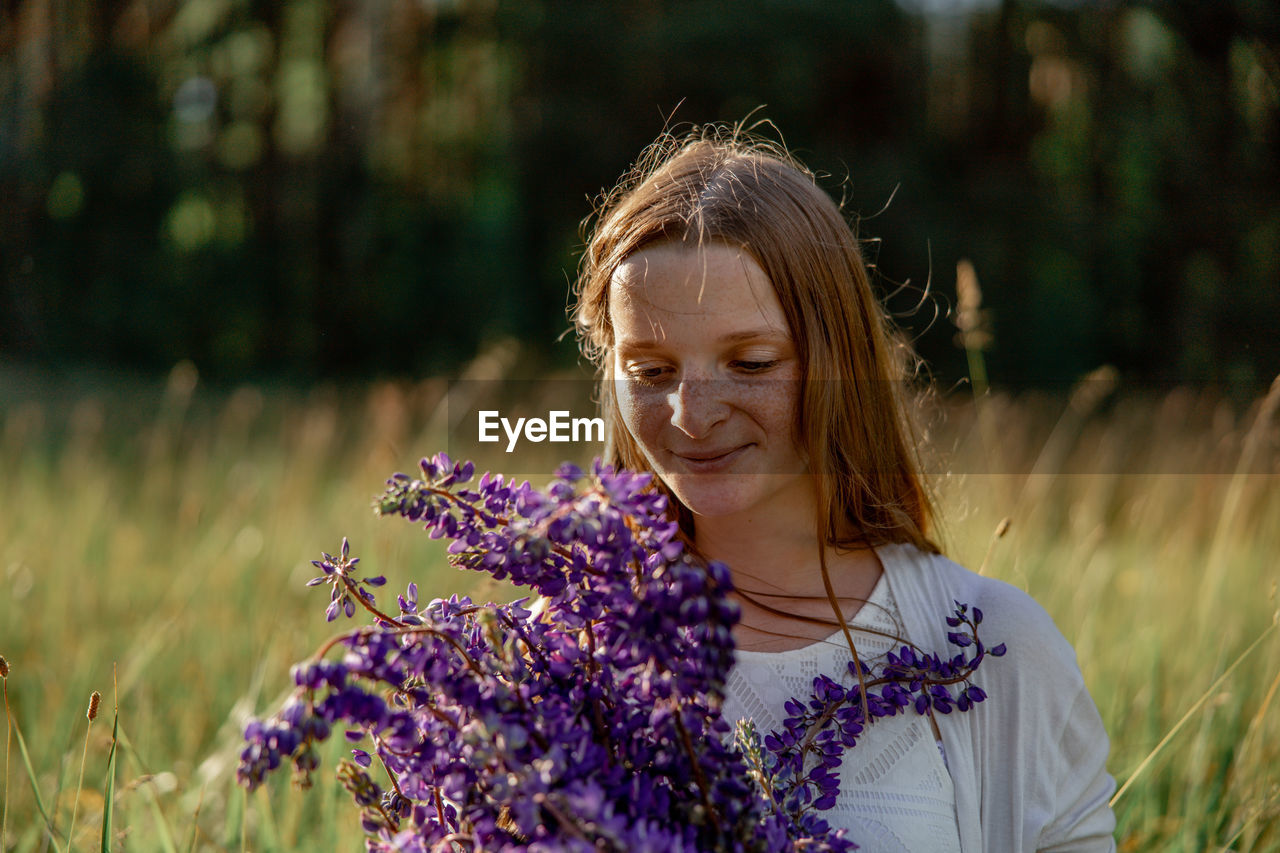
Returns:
(720, 495)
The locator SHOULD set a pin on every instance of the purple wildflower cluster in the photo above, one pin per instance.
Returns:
(588, 719)
(802, 770)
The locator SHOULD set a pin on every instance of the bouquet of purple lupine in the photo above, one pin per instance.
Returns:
(589, 720)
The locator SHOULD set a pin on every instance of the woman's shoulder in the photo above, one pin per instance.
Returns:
(938, 576)
(935, 585)
(1032, 758)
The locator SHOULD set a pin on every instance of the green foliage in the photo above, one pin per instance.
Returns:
(47, 822)
(303, 188)
(109, 791)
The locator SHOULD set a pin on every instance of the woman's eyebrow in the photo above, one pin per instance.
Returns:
(636, 343)
(753, 334)
(765, 333)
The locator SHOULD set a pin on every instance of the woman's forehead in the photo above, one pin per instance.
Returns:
(713, 279)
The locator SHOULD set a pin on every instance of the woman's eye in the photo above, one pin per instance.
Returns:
(755, 366)
(647, 375)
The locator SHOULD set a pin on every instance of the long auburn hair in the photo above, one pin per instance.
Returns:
(719, 184)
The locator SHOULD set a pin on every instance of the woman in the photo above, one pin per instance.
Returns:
(744, 359)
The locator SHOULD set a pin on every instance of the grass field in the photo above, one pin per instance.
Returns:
(155, 539)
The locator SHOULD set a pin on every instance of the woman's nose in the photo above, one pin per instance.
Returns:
(698, 404)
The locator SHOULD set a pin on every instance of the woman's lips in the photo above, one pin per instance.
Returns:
(710, 462)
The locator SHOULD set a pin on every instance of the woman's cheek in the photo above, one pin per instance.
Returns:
(640, 409)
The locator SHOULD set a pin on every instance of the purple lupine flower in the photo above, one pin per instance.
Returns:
(591, 721)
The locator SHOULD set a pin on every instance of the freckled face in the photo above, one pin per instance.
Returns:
(707, 378)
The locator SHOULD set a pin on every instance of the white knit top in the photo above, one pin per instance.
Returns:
(895, 791)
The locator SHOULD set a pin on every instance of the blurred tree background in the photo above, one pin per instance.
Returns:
(377, 187)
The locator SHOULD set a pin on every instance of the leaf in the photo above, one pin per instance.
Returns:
(153, 800)
(31, 776)
(109, 787)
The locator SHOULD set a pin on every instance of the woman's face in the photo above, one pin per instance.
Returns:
(707, 378)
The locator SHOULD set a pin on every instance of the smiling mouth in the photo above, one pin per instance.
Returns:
(704, 462)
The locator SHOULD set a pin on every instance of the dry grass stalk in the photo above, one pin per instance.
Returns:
(8, 736)
(1001, 529)
(92, 714)
(1232, 504)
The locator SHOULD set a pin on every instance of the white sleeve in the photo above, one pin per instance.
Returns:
(1044, 750)
(1082, 820)
(1030, 762)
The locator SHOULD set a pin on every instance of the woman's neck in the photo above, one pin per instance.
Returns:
(779, 587)
(772, 553)
(762, 555)
(773, 550)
